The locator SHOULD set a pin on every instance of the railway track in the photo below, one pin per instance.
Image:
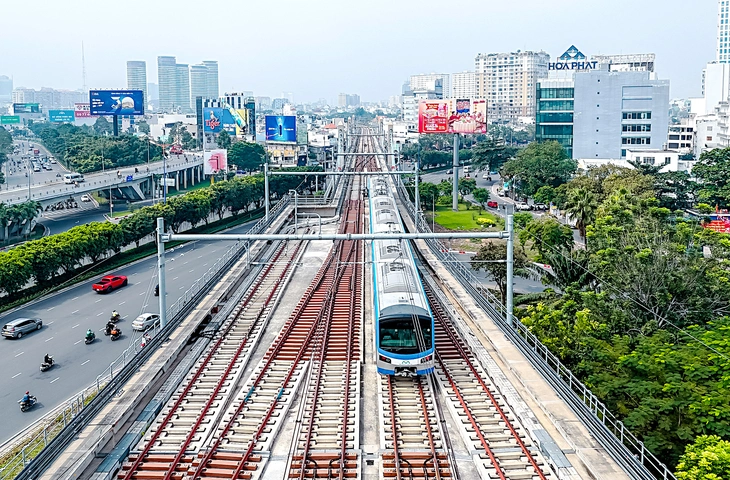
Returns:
(189, 417)
(499, 447)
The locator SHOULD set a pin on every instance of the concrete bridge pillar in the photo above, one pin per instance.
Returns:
(185, 177)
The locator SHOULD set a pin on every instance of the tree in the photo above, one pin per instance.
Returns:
(467, 185)
(582, 207)
(492, 258)
(143, 127)
(428, 193)
(481, 195)
(224, 140)
(247, 156)
(102, 126)
(711, 172)
(708, 458)
(187, 141)
(538, 165)
(491, 155)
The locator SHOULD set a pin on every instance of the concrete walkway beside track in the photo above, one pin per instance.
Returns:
(108, 423)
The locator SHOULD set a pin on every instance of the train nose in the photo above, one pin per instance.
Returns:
(405, 371)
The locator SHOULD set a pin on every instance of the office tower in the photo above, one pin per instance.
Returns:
(508, 82)
(199, 82)
(167, 82)
(6, 89)
(137, 77)
(183, 88)
(426, 82)
(212, 78)
(723, 28)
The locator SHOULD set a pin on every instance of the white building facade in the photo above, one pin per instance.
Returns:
(137, 77)
(463, 85)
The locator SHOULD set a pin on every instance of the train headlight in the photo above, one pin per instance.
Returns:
(383, 358)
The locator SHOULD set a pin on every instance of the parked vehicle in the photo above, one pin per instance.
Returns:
(522, 206)
(20, 326)
(145, 321)
(540, 206)
(109, 283)
(492, 204)
(500, 193)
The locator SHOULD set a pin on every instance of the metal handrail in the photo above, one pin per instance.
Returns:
(43, 445)
(623, 446)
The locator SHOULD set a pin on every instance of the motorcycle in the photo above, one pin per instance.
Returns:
(47, 366)
(25, 406)
(157, 290)
(116, 334)
(90, 339)
(108, 329)
(115, 317)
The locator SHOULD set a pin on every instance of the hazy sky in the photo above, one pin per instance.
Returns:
(318, 48)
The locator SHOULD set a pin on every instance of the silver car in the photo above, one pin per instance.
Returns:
(20, 326)
(145, 321)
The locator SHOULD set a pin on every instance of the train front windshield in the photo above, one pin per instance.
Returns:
(398, 336)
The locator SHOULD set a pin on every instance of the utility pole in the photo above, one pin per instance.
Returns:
(266, 189)
(455, 190)
(161, 270)
(510, 267)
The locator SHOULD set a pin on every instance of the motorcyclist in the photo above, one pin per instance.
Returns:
(26, 399)
(115, 331)
(89, 334)
(115, 314)
(110, 325)
(47, 359)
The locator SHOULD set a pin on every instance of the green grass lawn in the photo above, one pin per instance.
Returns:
(465, 219)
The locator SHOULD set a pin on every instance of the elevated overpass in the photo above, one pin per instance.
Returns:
(128, 183)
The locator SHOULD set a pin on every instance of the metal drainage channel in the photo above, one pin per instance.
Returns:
(187, 420)
(488, 427)
(256, 415)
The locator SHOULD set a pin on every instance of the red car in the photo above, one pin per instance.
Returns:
(492, 204)
(109, 283)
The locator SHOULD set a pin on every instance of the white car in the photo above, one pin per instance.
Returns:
(145, 321)
(522, 206)
(85, 198)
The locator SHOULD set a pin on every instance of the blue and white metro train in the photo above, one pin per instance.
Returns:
(404, 332)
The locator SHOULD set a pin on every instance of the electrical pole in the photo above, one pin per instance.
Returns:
(455, 189)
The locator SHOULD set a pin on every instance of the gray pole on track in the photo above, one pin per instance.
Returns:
(266, 189)
(510, 267)
(417, 196)
(161, 270)
(455, 191)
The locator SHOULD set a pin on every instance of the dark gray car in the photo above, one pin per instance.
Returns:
(20, 326)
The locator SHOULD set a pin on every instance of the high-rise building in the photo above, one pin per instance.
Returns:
(463, 85)
(183, 88)
(167, 82)
(599, 114)
(639, 62)
(153, 90)
(49, 98)
(723, 29)
(508, 82)
(137, 77)
(345, 100)
(427, 81)
(6, 89)
(277, 104)
(212, 78)
(263, 103)
(199, 82)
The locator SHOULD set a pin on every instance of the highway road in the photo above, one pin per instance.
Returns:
(15, 169)
(66, 317)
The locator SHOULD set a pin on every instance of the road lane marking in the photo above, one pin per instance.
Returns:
(50, 309)
(74, 298)
(55, 379)
(16, 375)
(145, 305)
(200, 257)
(191, 271)
(205, 264)
(50, 323)
(49, 339)
(142, 293)
(181, 287)
(122, 303)
(175, 278)
(76, 325)
(19, 354)
(75, 311)
(87, 361)
(99, 314)
(98, 301)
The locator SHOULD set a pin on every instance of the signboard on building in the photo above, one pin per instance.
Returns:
(281, 128)
(215, 161)
(26, 108)
(116, 102)
(243, 113)
(61, 116)
(213, 120)
(82, 110)
(452, 116)
(9, 119)
(573, 59)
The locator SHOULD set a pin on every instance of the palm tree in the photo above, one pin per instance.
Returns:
(4, 221)
(582, 206)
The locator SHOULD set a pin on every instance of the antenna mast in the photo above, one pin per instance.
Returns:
(83, 66)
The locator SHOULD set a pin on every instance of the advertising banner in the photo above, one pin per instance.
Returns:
(26, 108)
(82, 110)
(9, 119)
(243, 113)
(280, 128)
(61, 116)
(215, 161)
(452, 116)
(213, 120)
(116, 102)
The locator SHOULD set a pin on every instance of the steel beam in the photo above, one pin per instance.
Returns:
(232, 237)
(302, 174)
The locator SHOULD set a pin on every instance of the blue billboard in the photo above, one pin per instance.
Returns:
(116, 102)
(215, 120)
(280, 128)
(61, 116)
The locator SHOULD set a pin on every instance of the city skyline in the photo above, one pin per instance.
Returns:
(331, 61)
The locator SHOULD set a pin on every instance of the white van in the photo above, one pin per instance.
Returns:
(73, 177)
(467, 169)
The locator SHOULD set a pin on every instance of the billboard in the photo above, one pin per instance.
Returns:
(26, 108)
(62, 116)
(116, 102)
(243, 113)
(280, 128)
(452, 116)
(82, 110)
(9, 119)
(215, 161)
(215, 120)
